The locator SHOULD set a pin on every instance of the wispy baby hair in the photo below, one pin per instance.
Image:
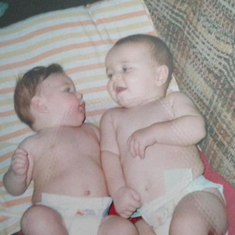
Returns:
(26, 88)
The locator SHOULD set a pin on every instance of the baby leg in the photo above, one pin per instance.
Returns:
(199, 213)
(38, 220)
(143, 228)
(116, 225)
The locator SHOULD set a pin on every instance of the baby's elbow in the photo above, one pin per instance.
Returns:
(201, 129)
(203, 133)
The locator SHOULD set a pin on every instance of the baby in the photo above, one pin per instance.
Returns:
(62, 159)
(148, 144)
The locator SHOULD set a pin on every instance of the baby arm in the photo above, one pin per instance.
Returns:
(17, 178)
(187, 127)
(125, 199)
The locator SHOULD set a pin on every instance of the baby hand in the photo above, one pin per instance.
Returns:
(139, 141)
(126, 201)
(20, 162)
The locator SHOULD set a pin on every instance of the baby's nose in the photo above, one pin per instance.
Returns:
(116, 76)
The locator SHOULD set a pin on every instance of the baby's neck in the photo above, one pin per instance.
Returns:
(46, 127)
(151, 100)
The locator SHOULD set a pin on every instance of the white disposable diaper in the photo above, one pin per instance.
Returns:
(158, 213)
(81, 215)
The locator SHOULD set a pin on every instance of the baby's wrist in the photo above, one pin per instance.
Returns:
(118, 190)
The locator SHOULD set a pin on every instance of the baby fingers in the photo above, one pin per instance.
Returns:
(20, 161)
(126, 214)
(136, 148)
(133, 147)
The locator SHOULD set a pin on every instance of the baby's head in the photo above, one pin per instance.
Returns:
(47, 96)
(139, 68)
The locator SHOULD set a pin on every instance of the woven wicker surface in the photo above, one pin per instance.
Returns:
(201, 35)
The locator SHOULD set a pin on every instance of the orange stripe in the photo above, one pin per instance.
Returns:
(84, 68)
(7, 113)
(121, 17)
(1, 184)
(3, 218)
(50, 53)
(45, 30)
(15, 134)
(6, 156)
(6, 90)
(16, 202)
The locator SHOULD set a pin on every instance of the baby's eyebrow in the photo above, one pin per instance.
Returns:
(125, 61)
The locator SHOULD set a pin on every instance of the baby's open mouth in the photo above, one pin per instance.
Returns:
(120, 89)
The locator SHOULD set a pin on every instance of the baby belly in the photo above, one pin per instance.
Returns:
(148, 182)
(151, 176)
(72, 183)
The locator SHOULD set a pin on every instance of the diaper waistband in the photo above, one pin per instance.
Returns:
(77, 205)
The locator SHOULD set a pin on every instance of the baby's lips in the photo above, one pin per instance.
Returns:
(82, 105)
(120, 89)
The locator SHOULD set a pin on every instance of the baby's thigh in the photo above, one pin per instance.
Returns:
(199, 213)
(39, 219)
(116, 225)
(143, 228)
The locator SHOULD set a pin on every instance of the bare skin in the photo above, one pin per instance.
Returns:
(137, 171)
(55, 171)
(62, 158)
(149, 134)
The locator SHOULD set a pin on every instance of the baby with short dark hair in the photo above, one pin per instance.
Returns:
(62, 159)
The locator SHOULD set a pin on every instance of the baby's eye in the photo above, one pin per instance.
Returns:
(68, 89)
(125, 69)
(109, 76)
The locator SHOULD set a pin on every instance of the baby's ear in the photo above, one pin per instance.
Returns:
(162, 73)
(38, 104)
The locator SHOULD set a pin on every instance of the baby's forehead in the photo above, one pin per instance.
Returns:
(130, 47)
(57, 79)
(128, 51)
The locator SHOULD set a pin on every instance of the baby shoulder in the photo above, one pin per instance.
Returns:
(111, 114)
(93, 129)
(29, 143)
(178, 97)
(182, 105)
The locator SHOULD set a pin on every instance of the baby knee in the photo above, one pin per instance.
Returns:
(30, 219)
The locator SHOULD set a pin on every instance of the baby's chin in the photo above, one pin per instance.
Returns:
(74, 123)
(131, 103)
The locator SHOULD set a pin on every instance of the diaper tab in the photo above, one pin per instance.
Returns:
(173, 177)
